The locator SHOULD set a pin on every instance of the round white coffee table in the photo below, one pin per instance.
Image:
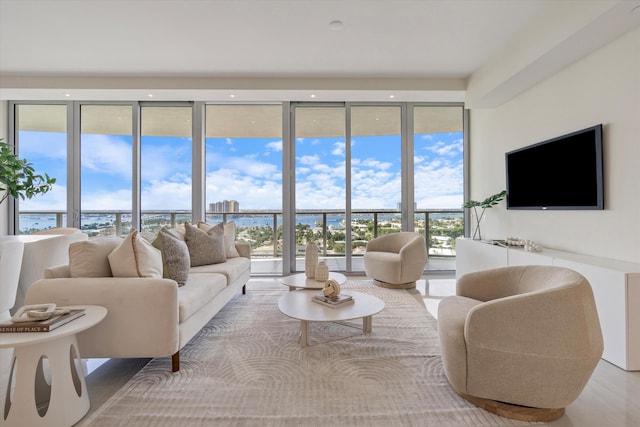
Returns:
(300, 281)
(298, 305)
(69, 399)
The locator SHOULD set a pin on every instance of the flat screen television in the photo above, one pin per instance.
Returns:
(562, 173)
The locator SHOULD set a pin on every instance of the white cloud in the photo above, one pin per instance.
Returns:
(250, 166)
(106, 154)
(338, 149)
(249, 191)
(163, 195)
(376, 164)
(309, 160)
(275, 146)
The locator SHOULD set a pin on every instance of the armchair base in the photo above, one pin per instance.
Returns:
(514, 412)
(409, 285)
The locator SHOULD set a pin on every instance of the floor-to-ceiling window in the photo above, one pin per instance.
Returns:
(376, 175)
(438, 169)
(320, 186)
(165, 165)
(42, 136)
(338, 174)
(244, 177)
(106, 153)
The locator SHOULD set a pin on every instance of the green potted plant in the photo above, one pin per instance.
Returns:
(18, 177)
(487, 203)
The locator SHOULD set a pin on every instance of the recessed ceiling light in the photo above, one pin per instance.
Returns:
(312, 96)
(232, 96)
(150, 95)
(392, 96)
(336, 25)
(67, 95)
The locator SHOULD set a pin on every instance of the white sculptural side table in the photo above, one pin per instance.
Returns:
(69, 399)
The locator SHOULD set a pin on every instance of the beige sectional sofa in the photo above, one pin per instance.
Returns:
(148, 315)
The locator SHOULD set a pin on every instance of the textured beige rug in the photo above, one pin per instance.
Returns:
(246, 369)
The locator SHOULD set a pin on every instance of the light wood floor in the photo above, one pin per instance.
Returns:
(610, 399)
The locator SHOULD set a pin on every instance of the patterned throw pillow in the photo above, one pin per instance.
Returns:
(136, 257)
(229, 237)
(205, 247)
(175, 257)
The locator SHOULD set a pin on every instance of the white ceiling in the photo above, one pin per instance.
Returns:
(198, 49)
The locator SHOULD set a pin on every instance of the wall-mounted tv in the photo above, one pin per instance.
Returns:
(562, 173)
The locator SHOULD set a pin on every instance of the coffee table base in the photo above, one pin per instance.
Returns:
(367, 326)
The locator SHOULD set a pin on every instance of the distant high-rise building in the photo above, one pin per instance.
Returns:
(224, 206)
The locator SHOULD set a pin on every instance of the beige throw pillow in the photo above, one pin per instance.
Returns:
(136, 257)
(205, 247)
(175, 257)
(229, 237)
(89, 258)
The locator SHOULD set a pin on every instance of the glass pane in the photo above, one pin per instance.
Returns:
(376, 176)
(320, 184)
(438, 181)
(42, 141)
(165, 166)
(244, 177)
(105, 169)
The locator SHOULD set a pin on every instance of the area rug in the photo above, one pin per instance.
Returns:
(246, 368)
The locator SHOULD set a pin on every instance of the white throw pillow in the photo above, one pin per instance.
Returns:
(229, 237)
(89, 258)
(136, 257)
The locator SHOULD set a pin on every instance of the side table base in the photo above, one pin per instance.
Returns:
(69, 399)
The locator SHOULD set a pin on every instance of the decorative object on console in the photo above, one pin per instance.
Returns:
(311, 260)
(487, 203)
(531, 246)
(527, 245)
(514, 241)
(322, 271)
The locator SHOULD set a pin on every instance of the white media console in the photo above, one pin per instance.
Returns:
(615, 284)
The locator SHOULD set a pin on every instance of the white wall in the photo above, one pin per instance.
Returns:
(603, 87)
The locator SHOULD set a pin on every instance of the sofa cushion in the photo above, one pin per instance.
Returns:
(136, 257)
(229, 237)
(201, 289)
(175, 258)
(89, 258)
(232, 269)
(205, 247)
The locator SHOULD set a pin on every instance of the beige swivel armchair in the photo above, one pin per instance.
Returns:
(396, 260)
(520, 341)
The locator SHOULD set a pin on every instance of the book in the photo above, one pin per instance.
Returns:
(47, 325)
(340, 300)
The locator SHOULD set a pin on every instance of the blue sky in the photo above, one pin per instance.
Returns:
(249, 171)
